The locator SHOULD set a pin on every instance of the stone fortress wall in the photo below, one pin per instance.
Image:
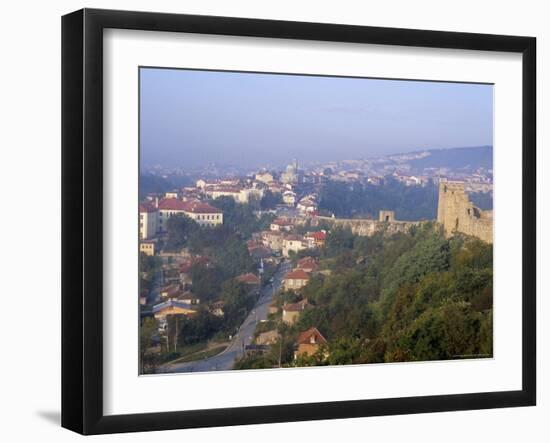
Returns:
(362, 226)
(455, 212)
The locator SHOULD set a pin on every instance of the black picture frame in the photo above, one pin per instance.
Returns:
(82, 215)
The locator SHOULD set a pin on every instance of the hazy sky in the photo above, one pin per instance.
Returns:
(192, 118)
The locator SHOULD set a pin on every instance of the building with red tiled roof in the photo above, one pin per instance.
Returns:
(273, 240)
(296, 280)
(307, 264)
(281, 224)
(147, 206)
(316, 239)
(292, 311)
(309, 342)
(259, 252)
(232, 189)
(172, 204)
(202, 213)
(293, 243)
(249, 279)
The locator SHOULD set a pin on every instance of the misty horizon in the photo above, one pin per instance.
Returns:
(193, 119)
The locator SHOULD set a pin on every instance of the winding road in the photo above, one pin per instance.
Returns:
(226, 359)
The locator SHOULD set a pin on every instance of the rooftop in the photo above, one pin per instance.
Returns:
(305, 337)
(248, 279)
(146, 207)
(297, 274)
(319, 235)
(172, 304)
(173, 204)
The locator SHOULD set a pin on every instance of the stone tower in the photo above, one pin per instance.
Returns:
(456, 213)
(386, 216)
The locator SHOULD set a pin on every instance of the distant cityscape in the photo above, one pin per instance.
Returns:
(412, 169)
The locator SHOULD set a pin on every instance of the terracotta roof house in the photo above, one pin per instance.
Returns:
(172, 204)
(296, 279)
(281, 224)
(147, 207)
(293, 242)
(249, 279)
(309, 342)
(291, 312)
(272, 240)
(316, 239)
(307, 264)
(259, 251)
(203, 213)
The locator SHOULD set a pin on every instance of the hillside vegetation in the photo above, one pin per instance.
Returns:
(409, 297)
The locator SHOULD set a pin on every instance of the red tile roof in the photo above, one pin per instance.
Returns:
(248, 279)
(202, 208)
(297, 274)
(173, 204)
(305, 337)
(146, 207)
(307, 263)
(319, 235)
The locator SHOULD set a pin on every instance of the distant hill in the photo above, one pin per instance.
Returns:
(456, 158)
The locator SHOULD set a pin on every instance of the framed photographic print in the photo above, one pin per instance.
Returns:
(269, 221)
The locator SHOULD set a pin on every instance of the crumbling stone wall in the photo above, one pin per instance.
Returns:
(456, 213)
(368, 227)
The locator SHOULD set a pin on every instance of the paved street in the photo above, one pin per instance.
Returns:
(226, 359)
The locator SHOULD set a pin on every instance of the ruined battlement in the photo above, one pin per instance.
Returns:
(456, 213)
(366, 227)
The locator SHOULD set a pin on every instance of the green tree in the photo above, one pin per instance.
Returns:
(179, 229)
(148, 358)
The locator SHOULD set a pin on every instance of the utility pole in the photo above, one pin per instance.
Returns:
(280, 349)
(176, 335)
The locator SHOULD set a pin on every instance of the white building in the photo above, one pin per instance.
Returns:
(203, 213)
(148, 221)
(237, 193)
(280, 224)
(289, 198)
(293, 243)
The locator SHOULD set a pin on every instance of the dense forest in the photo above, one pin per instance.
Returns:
(409, 297)
(409, 202)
